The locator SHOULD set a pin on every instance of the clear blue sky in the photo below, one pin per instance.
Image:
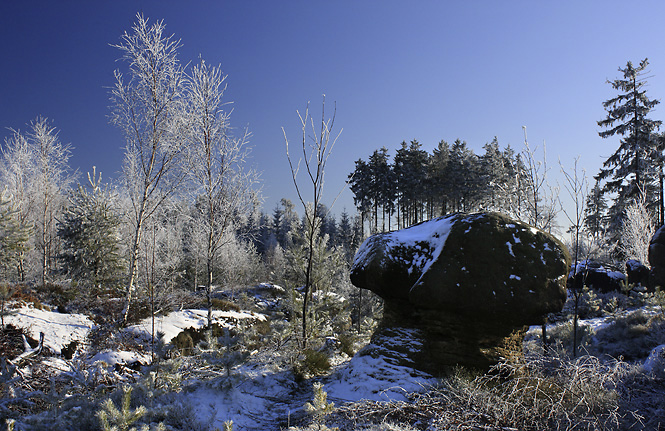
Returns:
(426, 70)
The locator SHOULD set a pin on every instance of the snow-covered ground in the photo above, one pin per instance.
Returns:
(262, 393)
(177, 321)
(59, 329)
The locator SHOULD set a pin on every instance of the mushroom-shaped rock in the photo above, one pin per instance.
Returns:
(657, 259)
(468, 282)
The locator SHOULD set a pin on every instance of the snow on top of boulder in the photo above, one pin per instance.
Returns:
(594, 266)
(175, 322)
(433, 233)
(120, 357)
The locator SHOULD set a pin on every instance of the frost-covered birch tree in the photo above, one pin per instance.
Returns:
(52, 178)
(223, 183)
(540, 200)
(149, 109)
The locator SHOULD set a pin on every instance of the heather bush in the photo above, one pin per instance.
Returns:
(631, 335)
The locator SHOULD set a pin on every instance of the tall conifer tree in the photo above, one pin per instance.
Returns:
(634, 167)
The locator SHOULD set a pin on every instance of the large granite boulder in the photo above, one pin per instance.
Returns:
(637, 274)
(468, 283)
(657, 259)
(597, 276)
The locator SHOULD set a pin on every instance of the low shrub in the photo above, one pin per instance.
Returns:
(346, 343)
(315, 363)
(631, 336)
(224, 305)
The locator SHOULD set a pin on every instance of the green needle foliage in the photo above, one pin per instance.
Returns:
(319, 408)
(114, 419)
(89, 230)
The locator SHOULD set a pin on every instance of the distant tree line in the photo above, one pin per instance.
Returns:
(416, 185)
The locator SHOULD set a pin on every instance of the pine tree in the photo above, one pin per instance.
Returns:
(437, 172)
(381, 186)
(89, 230)
(634, 167)
(359, 182)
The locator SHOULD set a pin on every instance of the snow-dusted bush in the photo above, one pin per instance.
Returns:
(637, 231)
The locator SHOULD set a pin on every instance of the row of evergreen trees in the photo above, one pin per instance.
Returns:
(269, 232)
(418, 185)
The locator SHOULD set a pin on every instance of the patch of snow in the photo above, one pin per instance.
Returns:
(515, 277)
(368, 378)
(59, 329)
(119, 357)
(616, 275)
(510, 249)
(174, 323)
(271, 286)
(433, 232)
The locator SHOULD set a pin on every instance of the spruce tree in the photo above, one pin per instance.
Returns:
(438, 176)
(89, 230)
(494, 174)
(634, 167)
(345, 236)
(380, 186)
(463, 176)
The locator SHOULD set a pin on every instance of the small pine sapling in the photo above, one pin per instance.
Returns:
(113, 419)
(319, 408)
